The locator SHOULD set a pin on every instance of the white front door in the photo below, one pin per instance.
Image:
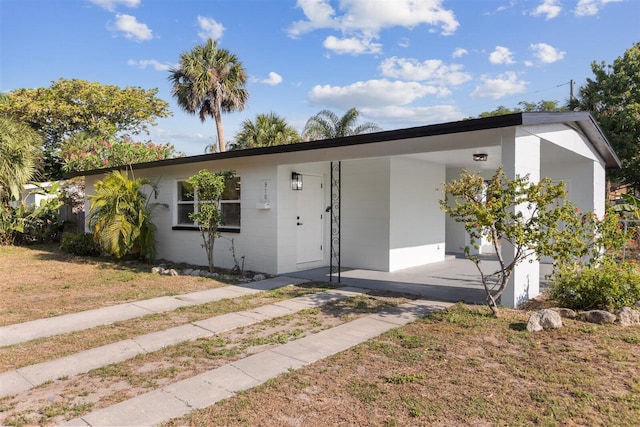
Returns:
(309, 219)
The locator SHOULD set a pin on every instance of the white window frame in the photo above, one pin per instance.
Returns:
(194, 203)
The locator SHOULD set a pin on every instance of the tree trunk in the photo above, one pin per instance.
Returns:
(221, 145)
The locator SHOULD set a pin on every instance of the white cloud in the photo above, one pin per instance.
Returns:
(372, 94)
(363, 19)
(496, 88)
(209, 28)
(131, 28)
(501, 55)
(459, 52)
(157, 65)
(546, 53)
(433, 71)
(351, 45)
(591, 7)
(373, 15)
(412, 115)
(111, 5)
(550, 8)
(274, 79)
(501, 8)
(404, 42)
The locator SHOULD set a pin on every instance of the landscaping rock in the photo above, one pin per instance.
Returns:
(567, 313)
(544, 319)
(195, 272)
(157, 270)
(598, 316)
(259, 277)
(627, 316)
(170, 272)
(187, 271)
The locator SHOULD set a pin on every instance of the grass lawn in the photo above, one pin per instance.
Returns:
(40, 281)
(459, 367)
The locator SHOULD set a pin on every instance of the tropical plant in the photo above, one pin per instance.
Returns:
(630, 207)
(42, 224)
(82, 152)
(210, 81)
(267, 130)
(326, 124)
(19, 157)
(121, 216)
(208, 189)
(25, 224)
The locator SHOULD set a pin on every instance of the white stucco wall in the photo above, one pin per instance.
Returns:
(417, 224)
(521, 156)
(365, 213)
(257, 238)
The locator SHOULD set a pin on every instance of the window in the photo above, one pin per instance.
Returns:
(229, 205)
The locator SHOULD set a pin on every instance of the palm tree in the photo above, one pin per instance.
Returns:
(267, 130)
(326, 124)
(19, 158)
(120, 216)
(209, 81)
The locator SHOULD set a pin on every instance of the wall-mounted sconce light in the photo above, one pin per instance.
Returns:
(480, 157)
(296, 181)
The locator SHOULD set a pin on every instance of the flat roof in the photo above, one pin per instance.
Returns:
(584, 120)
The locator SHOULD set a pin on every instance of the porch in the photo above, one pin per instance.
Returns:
(453, 280)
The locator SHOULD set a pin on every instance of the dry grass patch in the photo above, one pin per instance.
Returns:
(41, 281)
(456, 367)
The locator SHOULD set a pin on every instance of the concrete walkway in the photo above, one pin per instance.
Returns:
(23, 379)
(206, 389)
(41, 328)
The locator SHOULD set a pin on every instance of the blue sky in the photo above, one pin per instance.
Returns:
(400, 62)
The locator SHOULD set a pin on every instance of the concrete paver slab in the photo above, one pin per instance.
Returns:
(230, 378)
(21, 332)
(161, 304)
(80, 362)
(225, 322)
(145, 410)
(267, 364)
(271, 310)
(197, 393)
(12, 382)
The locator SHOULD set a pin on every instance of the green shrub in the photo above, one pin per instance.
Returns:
(81, 244)
(607, 286)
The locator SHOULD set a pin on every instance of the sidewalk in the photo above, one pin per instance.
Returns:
(23, 379)
(206, 389)
(41, 328)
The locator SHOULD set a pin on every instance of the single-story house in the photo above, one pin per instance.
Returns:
(371, 201)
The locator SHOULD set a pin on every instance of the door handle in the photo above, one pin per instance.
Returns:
(299, 223)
